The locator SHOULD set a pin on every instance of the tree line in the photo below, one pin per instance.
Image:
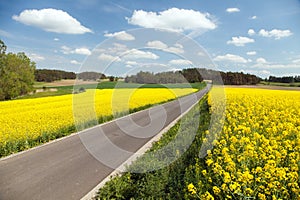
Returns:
(284, 79)
(192, 75)
(50, 75)
(91, 76)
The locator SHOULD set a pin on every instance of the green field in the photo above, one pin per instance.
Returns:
(280, 84)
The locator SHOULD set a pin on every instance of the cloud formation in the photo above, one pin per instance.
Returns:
(232, 10)
(139, 54)
(36, 57)
(230, 58)
(240, 41)
(80, 51)
(174, 19)
(122, 35)
(51, 20)
(261, 61)
(109, 58)
(180, 62)
(275, 33)
(251, 53)
(156, 44)
(75, 62)
(251, 32)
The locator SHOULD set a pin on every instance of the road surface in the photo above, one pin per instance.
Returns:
(66, 169)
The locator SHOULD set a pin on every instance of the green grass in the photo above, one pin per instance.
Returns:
(39, 84)
(280, 84)
(63, 90)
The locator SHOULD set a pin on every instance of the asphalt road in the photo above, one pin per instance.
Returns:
(69, 168)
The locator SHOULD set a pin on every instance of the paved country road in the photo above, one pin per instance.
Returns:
(65, 169)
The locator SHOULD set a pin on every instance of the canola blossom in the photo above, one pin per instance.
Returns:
(28, 119)
(257, 154)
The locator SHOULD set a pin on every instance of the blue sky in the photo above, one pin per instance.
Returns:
(258, 37)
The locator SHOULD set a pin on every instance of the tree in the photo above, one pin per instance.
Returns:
(16, 74)
(2, 48)
(111, 78)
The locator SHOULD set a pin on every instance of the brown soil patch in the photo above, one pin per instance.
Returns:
(69, 82)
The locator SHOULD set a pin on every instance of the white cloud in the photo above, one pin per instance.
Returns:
(296, 61)
(261, 61)
(240, 41)
(230, 58)
(275, 33)
(178, 45)
(253, 17)
(138, 54)
(36, 57)
(51, 20)
(110, 58)
(75, 62)
(128, 66)
(180, 62)
(65, 50)
(122, 35)
(56, 39)
(157, 44)
(251, 53)
(177, 48)
(232, 10)
(131, 63)
(251, 32)
(117, 48)
(174, 19)
(81, 51)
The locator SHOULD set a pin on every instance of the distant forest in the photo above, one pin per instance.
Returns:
(50, 75)
(284, 79)
(192, 75)
(91, 76)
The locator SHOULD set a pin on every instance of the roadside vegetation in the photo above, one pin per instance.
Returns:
(255, 157)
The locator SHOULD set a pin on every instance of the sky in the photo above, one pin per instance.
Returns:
(123, 37)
